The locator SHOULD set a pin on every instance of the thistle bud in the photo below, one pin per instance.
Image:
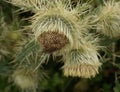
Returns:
(109, 19)
(25, 78)
(82, 61)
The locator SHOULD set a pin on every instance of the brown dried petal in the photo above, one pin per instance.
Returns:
(81, 70)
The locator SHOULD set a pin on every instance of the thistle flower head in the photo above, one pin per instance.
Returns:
(82, 62)
(58, 23)
(109, 19)
(25, 78)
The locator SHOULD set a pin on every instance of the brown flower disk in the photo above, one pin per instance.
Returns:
(52, 41)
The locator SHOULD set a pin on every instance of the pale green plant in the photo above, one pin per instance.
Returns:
(58, 24)
(62, 29)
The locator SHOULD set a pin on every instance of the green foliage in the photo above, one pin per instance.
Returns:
(117, 86)
(30, 47)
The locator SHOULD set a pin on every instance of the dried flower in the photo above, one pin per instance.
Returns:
(109, 19)
(52, 41)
